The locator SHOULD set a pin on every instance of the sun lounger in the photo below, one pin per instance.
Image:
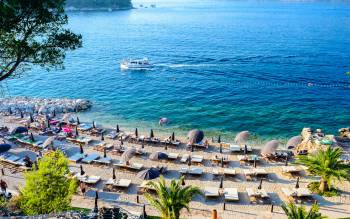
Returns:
(197, 158)
(89, 179)
(211, 192)
(229, 172)
(184, 170)
(195, 171)
(133, 166)
(173, 156)
(145, 187)
(12, 159)
(76, 157)
(231, 194)
(290, 169)
(90, 158)
(104, 160)
(249, 173)
(235, 148)
(216, 172)
(256, 195)
(297, 194)
(124, 183)
(184, 158)
(84, 127)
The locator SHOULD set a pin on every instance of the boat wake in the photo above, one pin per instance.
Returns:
(183, 65)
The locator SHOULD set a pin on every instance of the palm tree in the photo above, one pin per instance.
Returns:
(169, 201)
(326, 164)
(294, 212)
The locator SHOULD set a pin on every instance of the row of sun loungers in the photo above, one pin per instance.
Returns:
(230, 194)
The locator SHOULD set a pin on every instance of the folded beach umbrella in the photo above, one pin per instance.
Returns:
(54, 113)
(49, 141)
(297, 184)
(148, 174)
(48, 123)
(245, 149)
(117, 129)
(128, 154)
(294, 141)
(219, 139)
(151, 135)
(104, 152)
(4, 147)
(21, 115)
(31, 118)
(136, 133)
(242, 137)
(102, 137)
(19, 130)
(221, 182)
(93, 124)
(76, 131)
(113, 176)
(82, 172)
(81, 149)
(195, 136)
(270, 147)
(173, 136)
(260, 184)
(158, 156)
(32, 137)
(78, 121)
(96, 199)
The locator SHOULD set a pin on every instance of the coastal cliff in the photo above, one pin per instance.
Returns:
(91, 5)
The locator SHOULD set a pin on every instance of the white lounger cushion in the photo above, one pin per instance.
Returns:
(231, 194)
(211, 192)
(184, 158)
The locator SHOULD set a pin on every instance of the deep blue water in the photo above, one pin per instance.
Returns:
(271, 67)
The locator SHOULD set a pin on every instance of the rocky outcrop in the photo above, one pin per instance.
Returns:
(344, 133)
(42, 105)
(313, 141)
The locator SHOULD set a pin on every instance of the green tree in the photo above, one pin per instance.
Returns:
(47, 189)
(326, 164)
(294, 212)
(33, 32)
(169, 201)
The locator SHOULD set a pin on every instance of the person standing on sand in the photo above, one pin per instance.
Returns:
(3, 186)
(82, 188)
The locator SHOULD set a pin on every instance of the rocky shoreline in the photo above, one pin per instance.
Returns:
(42, 105)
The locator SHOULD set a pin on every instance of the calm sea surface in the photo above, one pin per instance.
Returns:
(271, 67)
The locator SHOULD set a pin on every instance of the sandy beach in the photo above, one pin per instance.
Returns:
(334, 207)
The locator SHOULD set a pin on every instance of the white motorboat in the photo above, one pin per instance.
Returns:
(136, 64)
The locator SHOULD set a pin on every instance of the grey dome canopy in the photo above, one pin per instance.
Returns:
(158, 156)
(270, 147)
(242, 137)
(19, 130)
(4, 147)
(128, 154)
(195, 136)
(294, 141)
(148, 174)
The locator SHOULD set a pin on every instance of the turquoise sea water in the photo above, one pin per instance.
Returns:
(271, 67)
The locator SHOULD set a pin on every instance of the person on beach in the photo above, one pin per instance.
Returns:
(82, 188)
(3, 186)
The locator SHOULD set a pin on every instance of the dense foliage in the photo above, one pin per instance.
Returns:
(326, 164)
(114, 4)
(299, 212)
(47, 189)
(33, 32)
(169, 201)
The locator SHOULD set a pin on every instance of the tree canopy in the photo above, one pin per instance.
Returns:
(47, 189)
(33, 32)
(169, 201)
(326, 164)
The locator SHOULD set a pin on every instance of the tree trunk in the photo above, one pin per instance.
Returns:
(323, 185)
(4, 75)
